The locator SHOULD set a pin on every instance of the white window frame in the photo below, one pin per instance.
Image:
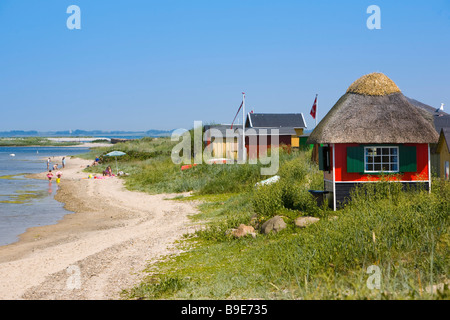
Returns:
(382, 163)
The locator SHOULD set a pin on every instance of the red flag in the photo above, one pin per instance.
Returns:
(314, 109)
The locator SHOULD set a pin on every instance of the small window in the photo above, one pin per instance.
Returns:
(324, 159)
(381, 159)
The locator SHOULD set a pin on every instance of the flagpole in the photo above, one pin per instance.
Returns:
(244, 152)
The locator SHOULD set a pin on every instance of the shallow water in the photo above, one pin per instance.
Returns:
(24, 202)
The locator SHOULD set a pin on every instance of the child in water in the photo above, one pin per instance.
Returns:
(58, 177)
(49, 175)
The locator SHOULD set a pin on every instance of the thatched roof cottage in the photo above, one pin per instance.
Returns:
(372, 129)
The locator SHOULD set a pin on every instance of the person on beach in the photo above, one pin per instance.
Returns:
(63, 161)
(107, 172)
(55, 166)
(49, 175)
(48, 163)
(58, 176)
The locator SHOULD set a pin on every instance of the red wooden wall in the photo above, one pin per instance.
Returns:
(341, 165)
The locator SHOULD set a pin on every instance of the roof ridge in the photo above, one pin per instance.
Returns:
(373, 84)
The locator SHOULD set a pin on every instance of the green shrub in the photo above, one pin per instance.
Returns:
(267, 200)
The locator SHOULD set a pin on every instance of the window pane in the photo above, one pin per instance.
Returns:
(385, 151)
(377, 167)
(370, 167)
(394, 159)
(394, 151)
(385, 159)
(394, 167)
(378, 151)
(370, 159)
(377, 159)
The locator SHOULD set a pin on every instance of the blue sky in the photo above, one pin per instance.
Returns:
(142, 64)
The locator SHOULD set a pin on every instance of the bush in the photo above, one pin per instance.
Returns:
(267, 200)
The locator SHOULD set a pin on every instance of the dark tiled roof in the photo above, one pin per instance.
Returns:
(424, 106)
(441, 119)
(275, 120)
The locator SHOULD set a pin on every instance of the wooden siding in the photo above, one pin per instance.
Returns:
(341, 173)
(223, 149)
(435, 165)
(299, 132)
(253, 143)
(328, 186)
(444, 155)
(344, 189)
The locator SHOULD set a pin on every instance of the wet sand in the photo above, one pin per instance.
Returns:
(101, 248)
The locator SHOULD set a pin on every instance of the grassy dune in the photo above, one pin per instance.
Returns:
(401, 236)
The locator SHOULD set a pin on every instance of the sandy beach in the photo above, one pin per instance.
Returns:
(99, 249)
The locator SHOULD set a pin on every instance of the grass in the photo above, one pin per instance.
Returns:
(33, 141)
(404, 233)
(327, 260)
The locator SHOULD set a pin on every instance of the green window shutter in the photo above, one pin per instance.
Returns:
(321, 167)
(355, 159)
(408, 158)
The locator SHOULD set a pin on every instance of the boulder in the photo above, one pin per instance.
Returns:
(243, 230)
(302, 222)
(275, 224)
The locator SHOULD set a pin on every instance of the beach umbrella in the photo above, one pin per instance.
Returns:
(115, 154)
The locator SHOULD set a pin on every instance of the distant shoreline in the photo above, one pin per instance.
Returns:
(54, 142)
(83, 145)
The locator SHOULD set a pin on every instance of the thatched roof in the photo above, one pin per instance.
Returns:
(373, 84)
(374, 111)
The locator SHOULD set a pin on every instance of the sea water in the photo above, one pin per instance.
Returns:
(25, 202)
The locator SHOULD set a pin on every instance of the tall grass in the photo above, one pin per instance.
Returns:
(405, 233)
(407, 239)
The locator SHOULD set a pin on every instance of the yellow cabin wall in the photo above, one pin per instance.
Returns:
(223, 149)
(295, 140)
(444, 155)
(299, 132)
